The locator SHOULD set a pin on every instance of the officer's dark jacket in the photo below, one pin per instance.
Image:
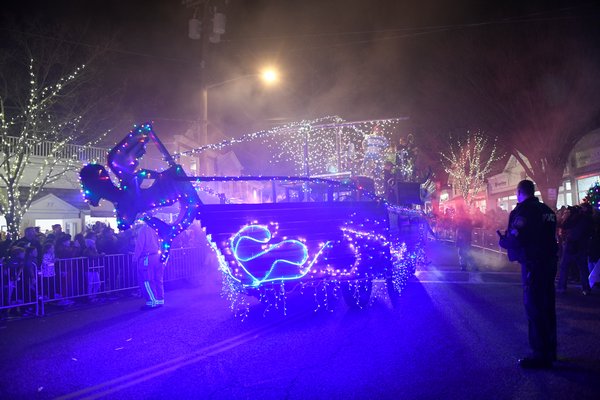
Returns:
(531, 233)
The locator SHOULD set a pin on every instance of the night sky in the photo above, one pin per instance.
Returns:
(356, 59)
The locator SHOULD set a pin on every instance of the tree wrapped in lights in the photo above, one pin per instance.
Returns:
(36, 131)
(593, 196)
(468, 162)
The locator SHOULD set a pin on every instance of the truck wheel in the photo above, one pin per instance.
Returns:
(357, 294)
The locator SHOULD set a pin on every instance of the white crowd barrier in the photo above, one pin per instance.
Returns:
(481, 238)
(82, 277)
(486, 240)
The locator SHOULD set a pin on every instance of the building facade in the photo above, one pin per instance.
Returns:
(581, 172)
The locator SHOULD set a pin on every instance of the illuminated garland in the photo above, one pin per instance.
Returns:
(325, 292)
(280, 130)
(252, 242)
(213, 192)
(324, 143)
(326, 283)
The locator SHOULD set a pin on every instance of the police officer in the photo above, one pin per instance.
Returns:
(531, 240)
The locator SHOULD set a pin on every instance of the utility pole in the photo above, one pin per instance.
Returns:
(203, 134)
(206, 27)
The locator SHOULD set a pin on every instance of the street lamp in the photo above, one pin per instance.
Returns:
(269, 76)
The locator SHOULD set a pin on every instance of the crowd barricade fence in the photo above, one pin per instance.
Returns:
(483, 239)
(19, 290)
(88, 277)
(486, 240)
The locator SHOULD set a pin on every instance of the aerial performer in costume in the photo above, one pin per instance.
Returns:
(131, 201)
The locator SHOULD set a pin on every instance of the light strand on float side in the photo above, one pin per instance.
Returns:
(273, 298)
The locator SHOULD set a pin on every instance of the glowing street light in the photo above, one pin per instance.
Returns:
(269, 76)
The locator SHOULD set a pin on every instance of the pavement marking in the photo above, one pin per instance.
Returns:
(114, 385)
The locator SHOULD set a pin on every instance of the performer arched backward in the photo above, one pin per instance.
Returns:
(131, 200)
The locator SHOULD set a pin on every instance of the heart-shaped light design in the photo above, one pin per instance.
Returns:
(250, 247)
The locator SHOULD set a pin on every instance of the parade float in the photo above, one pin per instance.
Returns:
(327, 236)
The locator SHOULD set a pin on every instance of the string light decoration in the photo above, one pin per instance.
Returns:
(325, 282)
(312, 147)
(36, 135)
(210, 191)
(348, 265)
(367, 239)
(593, 196)
(468, 163)
(249, 137)
(252, 248)
(326, 145)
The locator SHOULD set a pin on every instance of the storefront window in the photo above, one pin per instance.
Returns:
(565, 196)
(584, 184)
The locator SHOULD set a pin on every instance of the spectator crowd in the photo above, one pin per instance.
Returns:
(447, 222)
(578, 236)
(579, 244)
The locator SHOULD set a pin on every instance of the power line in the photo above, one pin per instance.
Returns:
(415, 34)
(96, 46)
(431, 29)
(404, 32)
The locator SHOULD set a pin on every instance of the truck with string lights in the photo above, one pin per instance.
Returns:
(323, 236)
(336, 244)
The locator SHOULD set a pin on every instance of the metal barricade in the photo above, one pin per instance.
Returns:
(183, 263)
(483, 239)
(86, 277)
(19, 290)
(486, 240)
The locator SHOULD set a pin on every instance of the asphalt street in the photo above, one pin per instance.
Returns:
(453, 335)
